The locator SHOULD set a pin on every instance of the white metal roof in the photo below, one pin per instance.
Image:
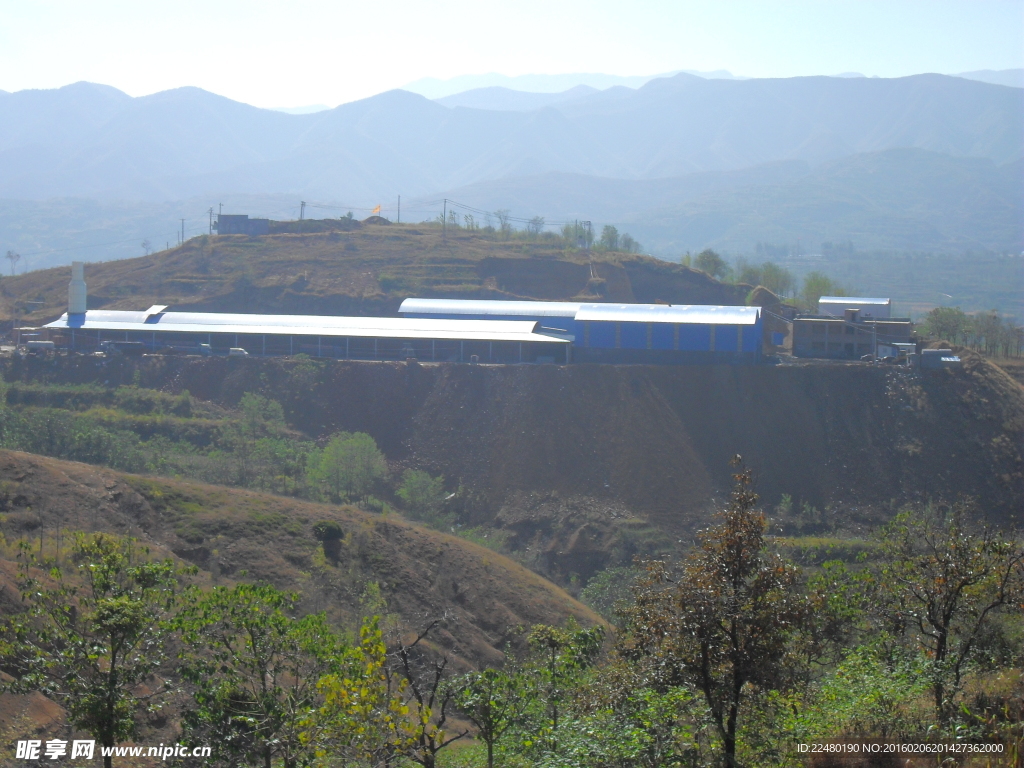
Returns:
(490, 307)
(853, 300)
(311, 325)
(638, 313)
(663, 313)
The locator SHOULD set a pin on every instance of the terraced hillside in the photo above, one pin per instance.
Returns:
(365, 270)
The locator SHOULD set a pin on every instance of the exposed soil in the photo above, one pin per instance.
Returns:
(570, 458)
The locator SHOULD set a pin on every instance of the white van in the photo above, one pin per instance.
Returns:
(237, 352)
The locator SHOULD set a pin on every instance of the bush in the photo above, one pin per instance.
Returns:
(348, 467)
(424, 497)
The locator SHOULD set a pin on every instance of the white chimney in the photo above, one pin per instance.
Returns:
(76, 289)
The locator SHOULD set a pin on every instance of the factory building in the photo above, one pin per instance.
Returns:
(241, 224)
(349, 338)
(345, 338)
(848, 336)
(432, 330)
(836, 306)
(623, 333)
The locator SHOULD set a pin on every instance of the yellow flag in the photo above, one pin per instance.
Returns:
(375, 211)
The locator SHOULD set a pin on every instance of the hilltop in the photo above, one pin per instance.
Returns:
(366, 270)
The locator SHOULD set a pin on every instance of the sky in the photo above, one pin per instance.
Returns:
(288, 54)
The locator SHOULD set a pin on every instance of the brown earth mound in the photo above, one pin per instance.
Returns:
(339, 266)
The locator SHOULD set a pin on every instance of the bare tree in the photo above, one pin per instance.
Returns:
(13, 257)
(536, 225)
(430, 695)
(504, 224)
(147, 247)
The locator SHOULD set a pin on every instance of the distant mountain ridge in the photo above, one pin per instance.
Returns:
(506, 99)
(898, 199)
(94, 141)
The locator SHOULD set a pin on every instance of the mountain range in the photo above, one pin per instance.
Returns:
(928, 162)
(94, 141)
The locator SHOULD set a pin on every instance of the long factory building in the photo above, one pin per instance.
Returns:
(442, 330)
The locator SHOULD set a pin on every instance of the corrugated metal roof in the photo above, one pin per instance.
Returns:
(312, 325)
(639, 313)
(663, 313)
(852, 300)
(490, 307)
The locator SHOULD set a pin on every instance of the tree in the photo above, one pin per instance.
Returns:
(363, 717)
(945, 583)
(430, 694)
(710, 262)
(947, 323)
(493, 700)
(816, 285)
(536, 225)
(559, 656)
(147, 247)
(94, 633)
(725, 624)
(13, 257)
(776, 279)
(424, 495)
(255, 670)
(348, 467)
(503, 216)
(609, 237)
(329, 534)
(628, 244)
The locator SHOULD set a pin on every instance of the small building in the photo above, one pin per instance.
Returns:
(837, 305)
(241, 224)
(849, 336)
(932, 359)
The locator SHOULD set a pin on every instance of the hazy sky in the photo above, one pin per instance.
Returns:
(278, 54)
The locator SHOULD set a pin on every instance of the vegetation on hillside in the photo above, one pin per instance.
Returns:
(984, 332)
(730, 656)
(133, 429)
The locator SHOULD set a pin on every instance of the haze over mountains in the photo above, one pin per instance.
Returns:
(929, 162)
(89, 140)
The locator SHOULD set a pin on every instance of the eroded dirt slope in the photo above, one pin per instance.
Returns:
(574, 458)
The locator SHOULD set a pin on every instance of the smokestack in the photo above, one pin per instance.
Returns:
(76, 289)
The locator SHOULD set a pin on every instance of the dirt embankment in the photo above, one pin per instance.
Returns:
(365, 271)
(579, 459)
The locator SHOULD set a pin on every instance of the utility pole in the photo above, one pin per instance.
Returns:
(302, 210)
(182, 231)
(211, 219)
(399, 221)
(444, 219)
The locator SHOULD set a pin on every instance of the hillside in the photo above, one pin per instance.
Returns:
(584, 466)
(240, 535)
(897, 200)
(367, 270)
